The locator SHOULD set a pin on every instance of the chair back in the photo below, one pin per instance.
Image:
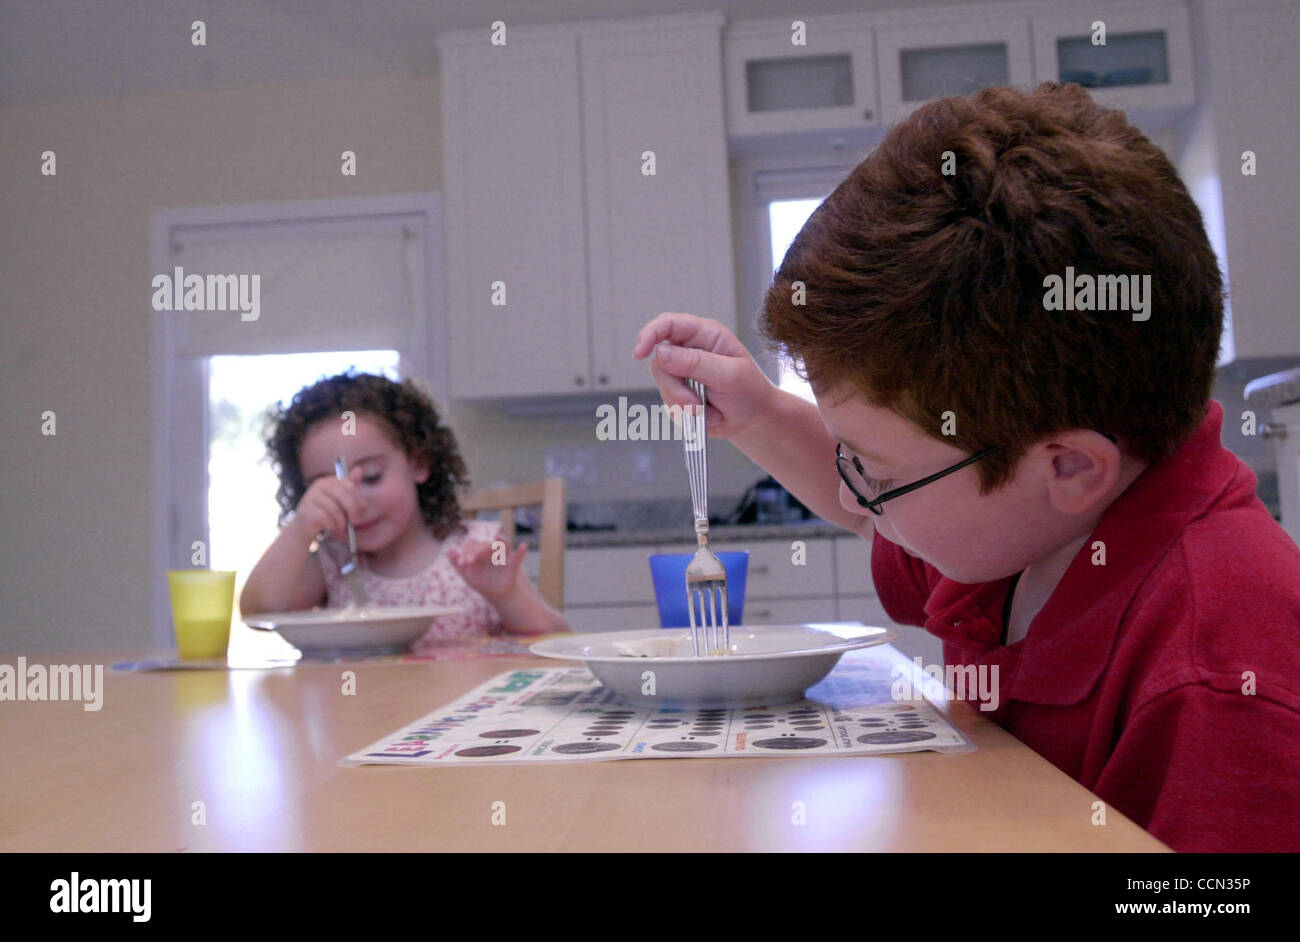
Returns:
(550, 495)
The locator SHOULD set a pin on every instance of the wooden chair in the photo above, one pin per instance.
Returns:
(550, 495)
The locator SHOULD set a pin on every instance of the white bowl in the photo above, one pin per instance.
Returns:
(334, 631)
(768, 664)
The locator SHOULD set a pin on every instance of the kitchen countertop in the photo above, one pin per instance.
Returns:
(638, 536)
(666, 520)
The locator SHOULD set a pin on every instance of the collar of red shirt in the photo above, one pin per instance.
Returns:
(1070, 640)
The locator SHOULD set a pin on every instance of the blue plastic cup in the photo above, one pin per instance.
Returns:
(668, 570)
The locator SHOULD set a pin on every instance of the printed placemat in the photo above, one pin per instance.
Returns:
(563, 714)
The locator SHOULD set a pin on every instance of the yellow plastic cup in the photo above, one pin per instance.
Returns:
(203, 604)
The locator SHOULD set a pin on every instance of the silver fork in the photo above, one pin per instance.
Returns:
(350, 570)
(706, 577)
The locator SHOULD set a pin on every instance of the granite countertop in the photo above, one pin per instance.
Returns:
(667, 520)
(721, 533)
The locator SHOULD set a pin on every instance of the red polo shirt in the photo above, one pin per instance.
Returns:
(1131, 678)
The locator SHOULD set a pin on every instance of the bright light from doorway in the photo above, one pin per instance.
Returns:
(242, 512)
(786, 218)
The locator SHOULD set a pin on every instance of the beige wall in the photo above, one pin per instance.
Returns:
(74, 276)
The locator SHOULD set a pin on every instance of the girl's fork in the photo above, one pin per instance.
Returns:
(350, 570)
(706, 577)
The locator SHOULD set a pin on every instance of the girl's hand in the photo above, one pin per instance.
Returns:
(705, 350)
(328, 505)
(493, 580)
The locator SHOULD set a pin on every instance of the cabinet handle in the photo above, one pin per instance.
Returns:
(766, 613)
(760, 570)
(867, 114)
(1272, 430)
(603, 379)
(578, 380)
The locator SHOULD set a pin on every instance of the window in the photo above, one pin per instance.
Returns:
(786, 218)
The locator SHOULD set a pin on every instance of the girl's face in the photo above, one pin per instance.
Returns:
(967, 536)
(390, 508)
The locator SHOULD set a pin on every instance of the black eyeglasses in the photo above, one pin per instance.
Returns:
(874, 505)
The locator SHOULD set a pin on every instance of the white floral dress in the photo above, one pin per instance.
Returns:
(438, 584)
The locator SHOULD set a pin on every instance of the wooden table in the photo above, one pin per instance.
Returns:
(260, 750)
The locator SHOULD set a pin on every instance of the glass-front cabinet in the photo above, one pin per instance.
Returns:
(1136, 57)
(949, 57)
(800, 74)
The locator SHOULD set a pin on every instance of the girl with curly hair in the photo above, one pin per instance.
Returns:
(404, 471)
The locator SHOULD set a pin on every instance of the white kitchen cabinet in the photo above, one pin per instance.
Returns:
(865, 608)
(657, 241)
(608, 588)
(1145, 63)
(775, 86)
(594, 618)
(949, 56)
(1252, 100)
(513, 193)
(550, 141)
(608, 575)
(853, 566)
(788, 611)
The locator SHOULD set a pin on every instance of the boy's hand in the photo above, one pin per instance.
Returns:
(493, 580)
(704, 350)
(328, 505)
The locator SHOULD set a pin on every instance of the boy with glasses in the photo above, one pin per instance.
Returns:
(1043, 482)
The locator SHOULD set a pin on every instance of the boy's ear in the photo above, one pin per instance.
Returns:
(1085, 466)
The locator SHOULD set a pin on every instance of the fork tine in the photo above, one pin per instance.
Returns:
(708, 624)
(704, 622)
(690, 610)
(722, 611)
(713, 622)
(726, 628)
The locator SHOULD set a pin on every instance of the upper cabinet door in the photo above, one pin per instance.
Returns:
(806, 75)
(949, 57)
(1256, 111)
(1128, 58)
(658, 217)
(514, 215)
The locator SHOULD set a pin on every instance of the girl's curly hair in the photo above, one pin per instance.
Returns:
(403, 410)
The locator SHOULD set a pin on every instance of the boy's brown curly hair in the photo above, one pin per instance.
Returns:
(924, 291)
(403, 410)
